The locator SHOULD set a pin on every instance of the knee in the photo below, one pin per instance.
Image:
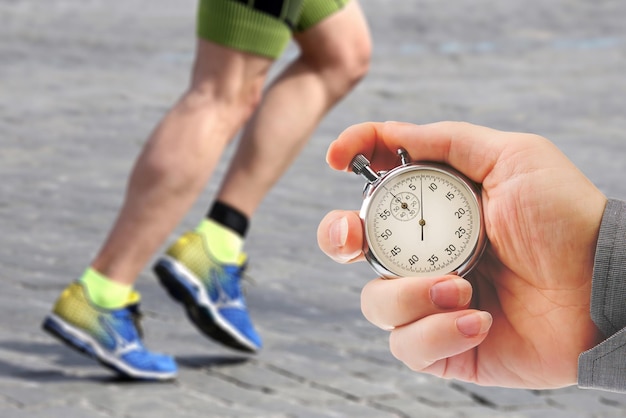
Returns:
(354, 61)
(233, 101)
(344, 65)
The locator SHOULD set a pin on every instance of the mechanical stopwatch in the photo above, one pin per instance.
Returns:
(420, 219)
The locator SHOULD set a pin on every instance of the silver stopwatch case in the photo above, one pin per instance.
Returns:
(377, 182)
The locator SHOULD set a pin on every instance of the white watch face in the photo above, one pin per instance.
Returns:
(422, 221)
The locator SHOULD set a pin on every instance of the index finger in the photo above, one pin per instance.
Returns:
(471, 149)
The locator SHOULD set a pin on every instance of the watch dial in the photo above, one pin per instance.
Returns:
(422, 222)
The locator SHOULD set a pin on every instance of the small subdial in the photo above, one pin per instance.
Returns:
(405, 206)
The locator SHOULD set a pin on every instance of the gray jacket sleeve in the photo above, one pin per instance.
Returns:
(604, 366)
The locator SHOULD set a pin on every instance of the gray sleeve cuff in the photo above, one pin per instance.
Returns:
(604, 366)
(608, 293)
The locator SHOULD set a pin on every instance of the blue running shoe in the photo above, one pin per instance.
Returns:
(209, 291)
(113, 337)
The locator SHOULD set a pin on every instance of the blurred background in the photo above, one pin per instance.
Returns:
(82, 83)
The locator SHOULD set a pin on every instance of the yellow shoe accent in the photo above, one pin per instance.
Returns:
(191, 251)
(75, 308)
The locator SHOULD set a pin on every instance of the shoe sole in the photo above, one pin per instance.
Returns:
(185, 288)
(85, 344)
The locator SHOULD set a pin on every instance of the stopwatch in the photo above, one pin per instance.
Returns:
(420, 219)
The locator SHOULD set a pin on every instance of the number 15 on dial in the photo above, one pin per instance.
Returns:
(420, 219)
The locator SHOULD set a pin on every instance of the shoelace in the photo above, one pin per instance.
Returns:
(136, 316)
(245, 277)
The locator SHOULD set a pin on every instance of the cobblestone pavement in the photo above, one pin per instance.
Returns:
(82, 83)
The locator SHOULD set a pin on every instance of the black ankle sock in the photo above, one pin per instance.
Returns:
(229, 217)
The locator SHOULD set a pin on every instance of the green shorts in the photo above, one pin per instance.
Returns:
(262, 27)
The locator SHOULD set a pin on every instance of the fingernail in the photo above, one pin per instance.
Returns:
(474, 324)
(339, 232)
(451, 293)
(338, 235)
(328, 151)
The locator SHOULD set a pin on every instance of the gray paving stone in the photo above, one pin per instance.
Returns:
(53, 412)
(574, 402)
(501, 398)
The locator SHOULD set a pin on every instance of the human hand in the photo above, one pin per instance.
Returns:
(521, 317)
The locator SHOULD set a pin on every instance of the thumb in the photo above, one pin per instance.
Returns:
(471, 149)
(340, 236)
